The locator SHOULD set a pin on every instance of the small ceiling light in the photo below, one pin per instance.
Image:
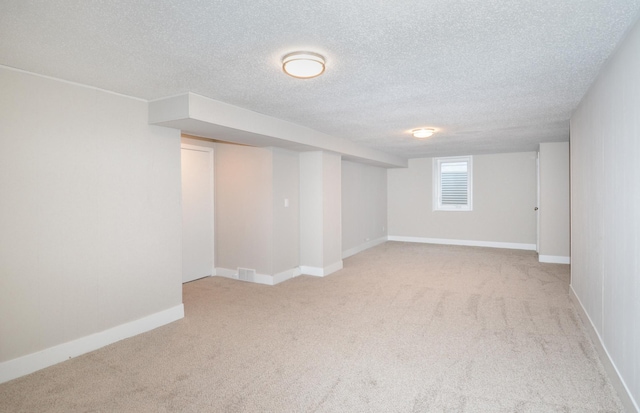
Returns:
(303, 65)
(422, 133)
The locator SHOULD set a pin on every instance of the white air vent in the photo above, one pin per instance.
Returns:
(246, 274)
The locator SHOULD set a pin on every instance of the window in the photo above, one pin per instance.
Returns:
(452, 184)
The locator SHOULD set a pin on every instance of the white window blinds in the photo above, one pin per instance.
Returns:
(452, 183)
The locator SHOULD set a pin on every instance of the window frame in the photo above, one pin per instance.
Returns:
(437, 183)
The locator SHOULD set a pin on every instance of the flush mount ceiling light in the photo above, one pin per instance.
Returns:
(303, 65)
(422, 133)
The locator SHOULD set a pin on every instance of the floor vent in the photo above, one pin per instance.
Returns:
(246, 274)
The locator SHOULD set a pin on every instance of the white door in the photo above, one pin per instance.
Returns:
(537, 207)
(197, 212)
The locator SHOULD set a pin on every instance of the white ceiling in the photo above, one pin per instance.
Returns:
(490, 75)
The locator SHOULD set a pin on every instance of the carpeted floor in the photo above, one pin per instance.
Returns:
(403, 328)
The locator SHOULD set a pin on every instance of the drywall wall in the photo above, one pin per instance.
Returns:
(332, 209)
(286, 210)
(244, 207)
(364, 206)
(202, 116)
(504, 197)
(254, 229)
(90, 227)
(311, 206)
(320, 213)
(605, 209)
(554, 243)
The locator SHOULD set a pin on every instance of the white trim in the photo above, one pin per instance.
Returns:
(617, 381)
(469, 243)
(30, 363)
(286, 275)
(227, 273)
(554, 259)
(314, 271)
(196, 147)
(321, 272)
(336, 266)
(362, 247)
(14, 69)
(264, 279)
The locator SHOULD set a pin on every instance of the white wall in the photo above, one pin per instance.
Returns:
(554, 243)
(286, 220)
(90, 229)
(244, 207)
(311, 209)
(320, 213)
(253, 227)
(605, 208)
(364, 206)
(201, 116)
(504, 197)
(332, 209)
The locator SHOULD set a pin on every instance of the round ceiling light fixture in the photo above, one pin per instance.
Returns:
(303, 65)
(422, 133)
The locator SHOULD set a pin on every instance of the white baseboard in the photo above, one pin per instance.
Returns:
(469, 243)
(554, 259)
(315, 271)
(321, 272)
(286, 275)
(362, 247)
(30, 363)
(336, 266)
(617, 381)
(264, 279)
(226, 273)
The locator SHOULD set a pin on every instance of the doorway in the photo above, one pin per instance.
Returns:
(197, 212)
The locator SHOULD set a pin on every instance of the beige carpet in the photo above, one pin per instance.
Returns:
(403, 328)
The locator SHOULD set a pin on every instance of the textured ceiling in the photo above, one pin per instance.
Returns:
(490, 76)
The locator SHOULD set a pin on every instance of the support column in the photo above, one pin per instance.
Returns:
(320, 213)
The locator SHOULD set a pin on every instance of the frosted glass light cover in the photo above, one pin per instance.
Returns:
(303, 65)
(422, 133)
